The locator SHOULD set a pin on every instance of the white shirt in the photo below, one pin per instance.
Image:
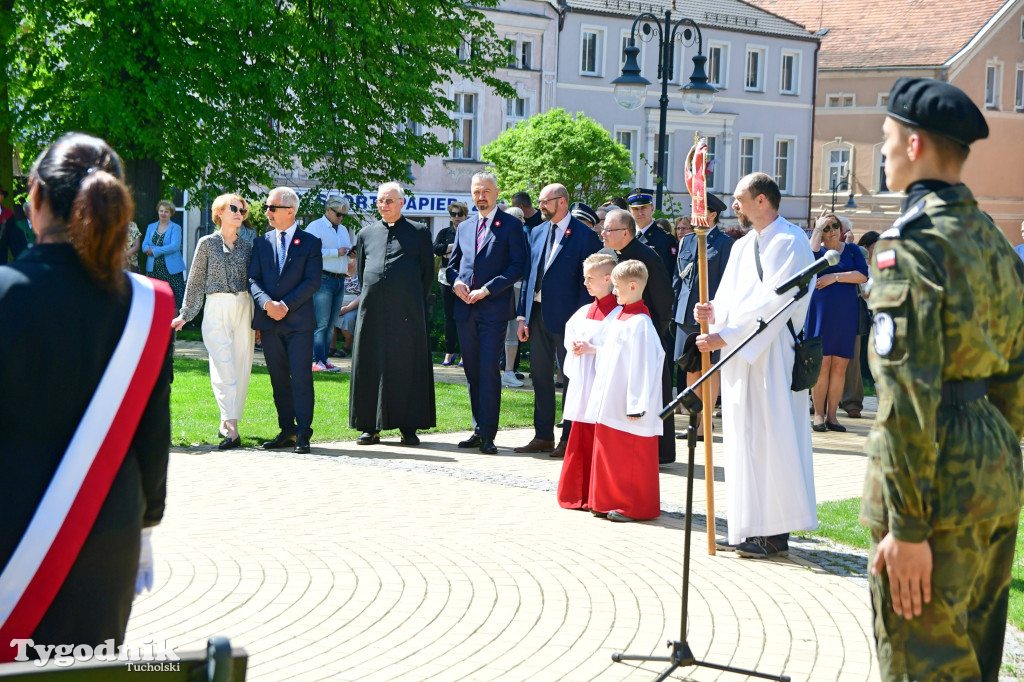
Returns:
(332, 238)
(490, 222)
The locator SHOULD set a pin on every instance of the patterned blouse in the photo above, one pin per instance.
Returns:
(216, 269)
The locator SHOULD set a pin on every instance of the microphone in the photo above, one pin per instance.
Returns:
(804, 276)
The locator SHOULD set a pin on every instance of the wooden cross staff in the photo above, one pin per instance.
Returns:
(696, 172)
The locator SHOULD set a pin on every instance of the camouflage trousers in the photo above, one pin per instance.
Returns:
(959, 634)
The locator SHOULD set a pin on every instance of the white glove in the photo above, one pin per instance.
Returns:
(144, 580)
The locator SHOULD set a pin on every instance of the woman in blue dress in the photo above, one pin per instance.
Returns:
(833, 316)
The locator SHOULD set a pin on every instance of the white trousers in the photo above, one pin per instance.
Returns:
(229, 339)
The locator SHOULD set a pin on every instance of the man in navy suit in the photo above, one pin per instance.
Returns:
(284, 273)
(552, 291)
(488, 258)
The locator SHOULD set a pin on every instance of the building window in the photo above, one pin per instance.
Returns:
(750, 155)
(789, 81)
(883, 186)
(666, 178)
(712, 153)
(628, 138)
(784, 164)
(755, 70)
(526, 55)
(840, 99)
(1022, 28)
(467, 48)
(464, 138)
(591, 51)
(516, 110)
(883, 99)
(838, 165)
(717, 64)
(1018, 94)
(993, 83)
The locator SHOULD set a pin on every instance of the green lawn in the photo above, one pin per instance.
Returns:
(195, 418)
(838, 521)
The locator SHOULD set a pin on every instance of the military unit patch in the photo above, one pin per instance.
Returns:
(884, 332)
(885, 259)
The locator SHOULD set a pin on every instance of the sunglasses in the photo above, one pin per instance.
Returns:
(831, 227)
(270, 208)
(235, 209)
(337, 213)
(457, 215)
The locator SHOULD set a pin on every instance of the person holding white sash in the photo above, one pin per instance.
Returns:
(85, 441)
(220, 275)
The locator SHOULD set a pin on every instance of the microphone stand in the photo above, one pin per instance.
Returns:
(682, 655)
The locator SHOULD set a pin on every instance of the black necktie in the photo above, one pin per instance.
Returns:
(544, 257)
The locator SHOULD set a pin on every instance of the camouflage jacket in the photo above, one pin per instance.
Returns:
(946, 297)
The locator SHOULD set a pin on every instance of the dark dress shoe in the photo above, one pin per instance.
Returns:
(409, 437)
(283, 440)
(853, 414)
(301, 444)
(837, 427)
(820, 428)
(537, 445)
(559, 451)
(368, 439)
(473, 441)
(228, 444)
(487, 446)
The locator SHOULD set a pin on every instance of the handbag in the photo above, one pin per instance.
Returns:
(807, 352)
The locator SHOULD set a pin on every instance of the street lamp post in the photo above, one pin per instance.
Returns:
(840, 183)
(631, 87)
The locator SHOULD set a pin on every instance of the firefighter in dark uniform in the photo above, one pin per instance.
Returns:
(641, 207)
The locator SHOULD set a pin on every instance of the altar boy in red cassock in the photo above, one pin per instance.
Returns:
(624, 404)
(586, 326)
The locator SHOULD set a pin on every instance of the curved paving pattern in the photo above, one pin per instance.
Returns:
(432, 564)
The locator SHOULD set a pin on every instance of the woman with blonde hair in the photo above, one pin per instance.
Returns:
(219, 275)
(162, 245)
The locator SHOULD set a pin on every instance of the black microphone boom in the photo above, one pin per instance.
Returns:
(804, 276)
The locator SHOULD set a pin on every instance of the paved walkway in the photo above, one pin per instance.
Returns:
(434, 563)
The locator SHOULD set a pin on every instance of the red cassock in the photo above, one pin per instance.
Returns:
(585, 325)
(624, 474)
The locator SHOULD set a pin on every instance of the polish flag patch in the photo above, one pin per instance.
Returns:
(886, 259)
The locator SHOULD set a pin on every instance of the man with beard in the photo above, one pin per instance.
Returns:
(392, 371)
(765, 430)
(619, 239)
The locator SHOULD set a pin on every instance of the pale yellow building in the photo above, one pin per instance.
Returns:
(977, 45)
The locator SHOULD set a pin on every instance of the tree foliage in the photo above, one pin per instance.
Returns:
(555, 147)
(227, 96)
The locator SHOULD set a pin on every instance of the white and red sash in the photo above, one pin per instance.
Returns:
(69, 507)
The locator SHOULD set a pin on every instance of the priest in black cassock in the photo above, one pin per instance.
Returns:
(620, 241)
(392, 370)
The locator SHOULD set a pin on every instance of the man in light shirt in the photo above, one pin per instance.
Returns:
(329, 299)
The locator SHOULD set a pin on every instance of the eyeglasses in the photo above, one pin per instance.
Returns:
(831, 227)
(457, 215)
(337, 213)
(236, 209)
(614, 229)
(544, 201)
(270, 208)
(385, 202)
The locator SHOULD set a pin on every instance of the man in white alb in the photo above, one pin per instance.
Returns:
(329, 299)
(766, 431)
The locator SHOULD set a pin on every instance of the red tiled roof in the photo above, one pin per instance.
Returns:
(877, 33)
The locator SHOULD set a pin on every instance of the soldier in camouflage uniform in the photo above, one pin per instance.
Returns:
(944, 481)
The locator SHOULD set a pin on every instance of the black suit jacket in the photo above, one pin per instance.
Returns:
(658, 295)
(43, 295)
(662, 243)
(294, 286)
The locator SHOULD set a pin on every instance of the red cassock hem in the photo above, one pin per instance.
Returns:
(624, 475)
(574, 482)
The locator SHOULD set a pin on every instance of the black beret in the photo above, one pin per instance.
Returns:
(715, 204)
(641, 197)
(938, 107)
(581, 211)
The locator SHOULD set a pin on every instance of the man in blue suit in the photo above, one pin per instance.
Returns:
(552, 291)
(488, 257)
(284, 273)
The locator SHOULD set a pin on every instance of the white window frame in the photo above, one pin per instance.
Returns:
(599, 47)
(667, 176)
(790, 161)
(634, 149)
(723, 71)
(839, 98)
(795, 89)
(993, 99)
(883, 99)
(1022, 29)
(678, 63)
(623, 37)
(755, 155)
(464, 154)
(877, 172)
(827, 165)
(1018, 94)
(714, 152)
(762, 54)
(513, 119)
(519, 51)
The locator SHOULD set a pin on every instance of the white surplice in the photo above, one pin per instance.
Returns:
(627, 376)
(765, 426)
(580, 368)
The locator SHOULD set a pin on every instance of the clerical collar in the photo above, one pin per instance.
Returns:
(390, 225)
(921, 188)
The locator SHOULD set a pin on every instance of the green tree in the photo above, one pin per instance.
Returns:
(229, 95)
(555, 147)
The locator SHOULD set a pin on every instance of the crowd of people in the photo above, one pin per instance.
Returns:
(608, 297)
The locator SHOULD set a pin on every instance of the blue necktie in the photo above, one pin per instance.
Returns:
(282, 250)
